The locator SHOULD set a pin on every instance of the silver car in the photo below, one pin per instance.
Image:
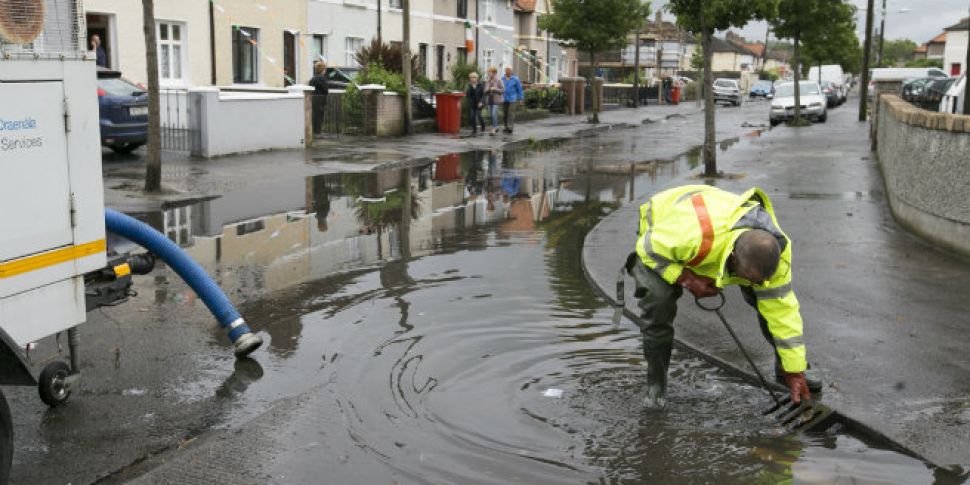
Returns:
(727, 90)
(813, 102)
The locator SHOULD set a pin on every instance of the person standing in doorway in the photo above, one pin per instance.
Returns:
(321, 90)
(512, 96)
(475, 94)
(100, 56)
(494, 92)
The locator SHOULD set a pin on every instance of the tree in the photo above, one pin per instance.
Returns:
(809, 19)
(697, 59)
(703, 18)
(153, 162)
(938, 63)
(594, 26)
(835, 44)
(895, 52)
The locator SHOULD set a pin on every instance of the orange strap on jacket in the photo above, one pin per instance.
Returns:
(707, 230)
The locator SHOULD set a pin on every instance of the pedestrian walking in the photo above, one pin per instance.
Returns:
(512, 96)
(321, 89)
(702, 239)
(100, 56)
(494, 93)
(475, 94)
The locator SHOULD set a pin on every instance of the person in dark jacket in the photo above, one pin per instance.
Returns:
(100, 56)
(320, 91)
(475, 94)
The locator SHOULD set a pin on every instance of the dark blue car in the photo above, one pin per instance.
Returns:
(123, 108)
(764, 89)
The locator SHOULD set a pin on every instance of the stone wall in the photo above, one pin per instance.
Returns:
(925, 161)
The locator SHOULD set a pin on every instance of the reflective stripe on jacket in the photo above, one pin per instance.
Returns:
(671, 237)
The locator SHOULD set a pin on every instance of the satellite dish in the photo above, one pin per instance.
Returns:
(21, 21)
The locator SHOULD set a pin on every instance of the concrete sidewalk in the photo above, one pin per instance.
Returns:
(184, 178)
(885, 313)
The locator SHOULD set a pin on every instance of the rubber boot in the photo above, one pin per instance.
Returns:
(658, 360)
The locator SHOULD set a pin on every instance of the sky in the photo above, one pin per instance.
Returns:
(919, 20)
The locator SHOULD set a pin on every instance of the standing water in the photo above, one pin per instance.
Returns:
(433, 324)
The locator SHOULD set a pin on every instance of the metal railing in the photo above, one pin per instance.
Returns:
(339, 114)
(177, 133)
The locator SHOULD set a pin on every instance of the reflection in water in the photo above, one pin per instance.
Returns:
(453, 293)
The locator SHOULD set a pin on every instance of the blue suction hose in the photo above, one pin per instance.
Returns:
(145, 236)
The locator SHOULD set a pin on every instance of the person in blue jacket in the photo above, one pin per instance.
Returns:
(513, 96)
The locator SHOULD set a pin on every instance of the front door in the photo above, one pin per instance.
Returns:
(289, 58)
(955, 69)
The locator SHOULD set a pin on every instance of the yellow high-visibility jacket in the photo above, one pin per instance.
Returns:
(696, 226)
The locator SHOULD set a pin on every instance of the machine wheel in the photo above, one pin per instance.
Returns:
(6, 440)
(53, 389)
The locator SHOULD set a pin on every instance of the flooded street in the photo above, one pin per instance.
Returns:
(429, 324)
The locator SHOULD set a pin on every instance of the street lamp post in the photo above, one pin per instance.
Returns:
(882, 33)
(863, 99)
(966, 71)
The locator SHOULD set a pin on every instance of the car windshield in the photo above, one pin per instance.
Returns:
(115, 86)
(763, 84)
(724, 84)
(788, 90)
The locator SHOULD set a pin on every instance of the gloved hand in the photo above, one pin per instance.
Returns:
(797, 385)
(700, 286)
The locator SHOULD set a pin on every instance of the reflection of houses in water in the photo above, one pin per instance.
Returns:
(287, 232)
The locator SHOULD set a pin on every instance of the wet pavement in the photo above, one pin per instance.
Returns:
(427, 324)
(885, 312)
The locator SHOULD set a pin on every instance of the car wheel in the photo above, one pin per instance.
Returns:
(124, 148)
(824, 117)
(774, 122)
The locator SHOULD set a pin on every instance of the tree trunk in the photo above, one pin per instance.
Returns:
(710, 152)
(153, 161)
(798, 74)
(596, 115)
(406, 65)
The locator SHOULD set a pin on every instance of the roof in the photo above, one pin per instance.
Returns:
(758, 49)
(940, 39)
(525, 5)
(921, 49)
(721, 45)
(964, 24)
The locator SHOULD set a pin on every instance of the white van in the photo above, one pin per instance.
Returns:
(832, 73)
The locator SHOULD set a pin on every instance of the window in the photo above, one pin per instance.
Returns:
(489, 14)
(353, 44)
(488, 58)
(439, 62)
(423, 59)
(244, 56)
(551, 73)
(318, 48)
(394, 3)
(170, 50)
(463, 9)
(462, 55)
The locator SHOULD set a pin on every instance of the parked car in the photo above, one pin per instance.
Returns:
(123, 109)
(934, 92)
(913, 89)
(832, 94)
(727, 90)
(341, 77)
(832, 73)
(764, 89)
(813, 102)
